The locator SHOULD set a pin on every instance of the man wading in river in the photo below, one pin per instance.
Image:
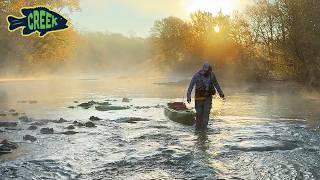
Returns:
(206, 86)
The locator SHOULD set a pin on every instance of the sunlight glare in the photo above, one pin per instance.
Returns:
(217, 29)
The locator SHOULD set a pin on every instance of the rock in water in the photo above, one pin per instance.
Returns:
(71, 127)
(12, 110)
(8, 124)
(69, 133)
(7, 146)
(33, 102)
(15, 114)
(24, 119)
(131, 120)
(2, 114)
(29, 138)
(32, 127)
(46, 130)
(110, 108)
(90, 124)
(87, 105)
(125, 99)
(61, 120)
(94, 118)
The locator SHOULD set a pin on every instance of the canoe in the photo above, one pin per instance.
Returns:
(178, 112)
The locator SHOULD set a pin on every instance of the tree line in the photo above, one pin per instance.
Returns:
(272, 39)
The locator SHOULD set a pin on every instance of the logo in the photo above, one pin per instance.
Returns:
(37, 19)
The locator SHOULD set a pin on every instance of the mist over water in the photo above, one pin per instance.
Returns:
(261, 131)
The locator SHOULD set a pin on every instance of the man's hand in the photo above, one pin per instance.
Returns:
(189, 100)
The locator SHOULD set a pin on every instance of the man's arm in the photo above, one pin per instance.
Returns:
(217, 86)
(191, 85)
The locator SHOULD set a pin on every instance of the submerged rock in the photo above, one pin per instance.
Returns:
(39, 123)
(90, 124)
(131, 120)
(25, 119)
(33, 102)
(125, 99)
(29, 138)
(46, 130)
(104, 104)
(8, 124)
(79, 124)
(71, 107)
(70, 127)
(15, 114)
(2, 114)
(110, 108)
(12, 110)
(87, 105)
(61, 120)
(69, 132)
(7, 146)
(94, 118)
(32, 127)
(22, 101)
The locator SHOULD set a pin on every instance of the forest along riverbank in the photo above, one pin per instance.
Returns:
(259, 132)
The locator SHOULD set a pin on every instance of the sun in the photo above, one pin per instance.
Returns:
(217, 29)
(213, 6)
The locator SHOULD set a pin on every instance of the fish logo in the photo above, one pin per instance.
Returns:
(37, 19)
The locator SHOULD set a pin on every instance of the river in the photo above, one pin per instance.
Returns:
(261, 131)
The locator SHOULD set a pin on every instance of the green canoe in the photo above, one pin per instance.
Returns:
(178, 112)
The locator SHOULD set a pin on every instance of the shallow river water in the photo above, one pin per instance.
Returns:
(268, 131)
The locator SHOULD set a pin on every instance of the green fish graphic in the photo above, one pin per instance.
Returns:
(39, 19)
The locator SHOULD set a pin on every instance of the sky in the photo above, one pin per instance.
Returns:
(136, 17)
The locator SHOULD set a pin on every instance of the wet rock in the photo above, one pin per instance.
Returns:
(29, 138)
(32, 128)
(8, 124)
(131, 120)
(2, 114)
(90, 124)
(13, 129)
(70, 127)
(15, 114)
(69, 132)
(23, 101)
(87, 105)
(39, 123)
(159, 106)
(75, 101)
(33, 102)
(125, 99)
(7, 146)
(94, 118)
(12, 110)
(46, 130)
(61, 120)
(25, 119)
(142, 107)
(104, 104)
(71, 107)
(79, 124)
(110, 108)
